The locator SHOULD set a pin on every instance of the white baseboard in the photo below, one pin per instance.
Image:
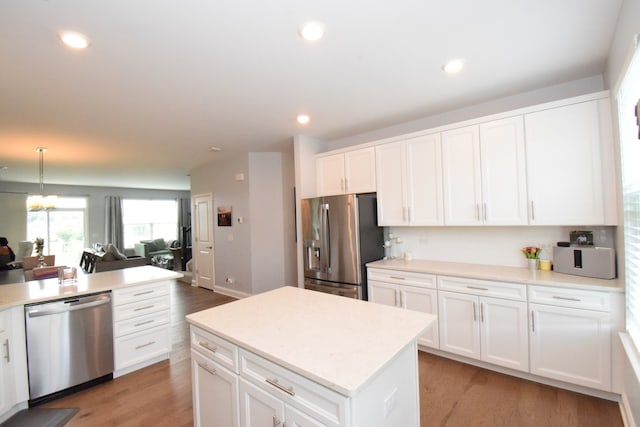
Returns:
(625, 410)
(230, 292)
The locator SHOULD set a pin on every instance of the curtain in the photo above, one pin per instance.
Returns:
(113, 231)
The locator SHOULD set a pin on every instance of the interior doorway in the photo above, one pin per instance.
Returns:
(203, 252)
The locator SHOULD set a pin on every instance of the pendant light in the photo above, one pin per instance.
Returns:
(41, 202)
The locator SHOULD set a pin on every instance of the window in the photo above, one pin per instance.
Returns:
(63, 229)
(628, 99)
(149, 219)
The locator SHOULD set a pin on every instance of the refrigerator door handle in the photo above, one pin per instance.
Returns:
(327, 237)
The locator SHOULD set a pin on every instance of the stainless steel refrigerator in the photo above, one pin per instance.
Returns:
(340, 235)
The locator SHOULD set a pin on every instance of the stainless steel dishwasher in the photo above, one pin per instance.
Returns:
(69, 345)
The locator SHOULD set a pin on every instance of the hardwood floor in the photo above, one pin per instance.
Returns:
(451, 393)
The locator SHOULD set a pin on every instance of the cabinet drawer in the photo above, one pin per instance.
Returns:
(140, 308)
(319, 402)
(136, 348)
(568, 297)
(215, 348)
(4, 321)
(138, 293)
(512, 291)
(140, 323)
(401, 277)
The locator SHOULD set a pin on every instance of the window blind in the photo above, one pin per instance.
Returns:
(628, 99)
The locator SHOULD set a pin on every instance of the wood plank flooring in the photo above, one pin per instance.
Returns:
(451, 393)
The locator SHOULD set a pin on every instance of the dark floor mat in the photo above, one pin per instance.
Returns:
(41, 417)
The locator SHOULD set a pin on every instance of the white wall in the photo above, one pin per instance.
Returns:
(13, 225)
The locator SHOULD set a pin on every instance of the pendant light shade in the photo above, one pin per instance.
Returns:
(41, 202)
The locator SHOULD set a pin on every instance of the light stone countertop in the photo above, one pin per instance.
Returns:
(49, 289)
(335, 341)
(500, 273)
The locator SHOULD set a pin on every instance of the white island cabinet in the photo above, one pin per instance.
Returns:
(295, 357)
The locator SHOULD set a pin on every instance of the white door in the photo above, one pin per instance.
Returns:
(458, 323)
(461, 176)
(390, 178)
(564, 165)
(383, 293)
(504, 186)
(258, 408)
(360, 171)
(330, 175)
(571, 345)
(203, 241)
(424, 180)
(426, 301)
(504, 333)
(213, 383)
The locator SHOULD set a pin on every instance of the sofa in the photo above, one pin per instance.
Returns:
(152, 248)
(110, 259)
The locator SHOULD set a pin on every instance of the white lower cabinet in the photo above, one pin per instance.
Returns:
(413, 291)
(475, 323)
(141, 325)
(570, 336)
(13, 362)
(233, 386)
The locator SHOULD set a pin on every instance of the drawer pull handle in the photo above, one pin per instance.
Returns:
(208, 346)
(145, 345)
(398, 278)
(477, 288)
(207, 368)
(143, 323)
(8, 353)
(274, 382)
(276, 421)
(146, 307)
(143, 293)
(566, 298)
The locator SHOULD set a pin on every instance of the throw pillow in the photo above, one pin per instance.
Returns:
(159, 244)
(113, 251)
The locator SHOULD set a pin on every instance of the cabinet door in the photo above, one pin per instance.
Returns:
(390, 166)
(564, 169)
(504, 333)
(330, 175)
(215, 393)
(426, 301)
(461, 176)
(6, 383)
(383, 293)
(504, 187)
(571, 345)
(296, 418)
(458, 324)
(360, 171)
(258, 408)
(424, 180)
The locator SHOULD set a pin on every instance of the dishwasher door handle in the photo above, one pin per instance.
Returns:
(38, 313)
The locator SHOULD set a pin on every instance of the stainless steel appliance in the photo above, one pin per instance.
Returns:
(69, 345)
(340, 235)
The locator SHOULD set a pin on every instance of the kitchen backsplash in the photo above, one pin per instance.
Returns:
(484, 245)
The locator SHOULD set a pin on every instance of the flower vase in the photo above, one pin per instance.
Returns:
(532, 264)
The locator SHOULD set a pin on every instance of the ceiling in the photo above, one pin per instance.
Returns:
(164, 80)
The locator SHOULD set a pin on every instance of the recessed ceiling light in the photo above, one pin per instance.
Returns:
(312, 31)
(453, 66)
(215, 149)
(303, 119)
(74, 40)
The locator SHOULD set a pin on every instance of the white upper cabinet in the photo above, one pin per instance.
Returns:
(343, 173)
(409, 178)
(504, 184)
(461, 169)
(565, 148)
(484, 174)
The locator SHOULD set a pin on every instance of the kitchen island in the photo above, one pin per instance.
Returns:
(295, 355)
